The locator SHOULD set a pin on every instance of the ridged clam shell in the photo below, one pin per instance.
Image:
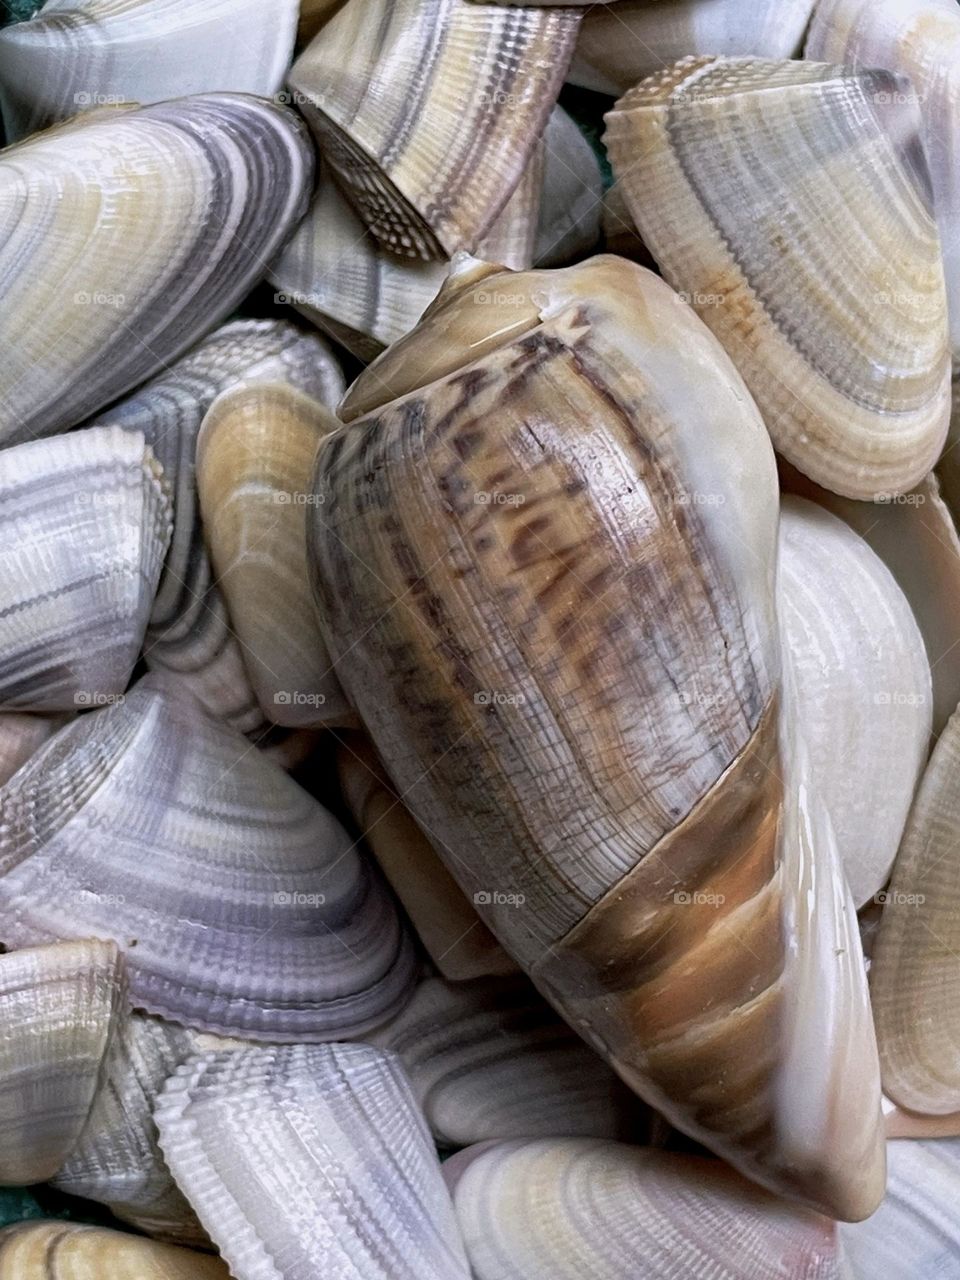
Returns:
(789, 202)
(619, 45)
(920, 40)
(310, 1161)
(430, 110)
(134, 232)
(457, 941)
(255, 456)
(190, 632)
(582, 698)
(490, 1059)
(863, 680)
(239, 901)
(78, 54)
(117, 1160)
(914, 1232)
(85, 521)
(338, 275)
(20, 737)
(914, 536)
(58, 1009)
(582, 1209)
(915, 974)
(71, 1251)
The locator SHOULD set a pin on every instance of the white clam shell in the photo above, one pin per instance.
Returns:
(914, 1232)
(863, 684)
(85, 522)
(490, 1059)
(59, 1006)
(789, 203)
(75, 55)
(241, 903)
(620, 44)
(582, 1209)
(430, 111)
(133, 232)
(915, 971)
(310, 1161)
(919, 39)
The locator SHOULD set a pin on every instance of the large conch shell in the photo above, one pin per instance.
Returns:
(309, 1161)
(919, 39)
(618, 46)
(134, 232)
(241, 903)
(72, 1251)
(862, 680)
(85, 522)
(546, 572)
(915, 974)
(564, 1209)
(255, 456)
(117, 1160)
(60, 1005)
(790, 202)
(78, 54)
(190, 633)
(914, 1232)
(456, 939)
(429, 111)
(490, 1059)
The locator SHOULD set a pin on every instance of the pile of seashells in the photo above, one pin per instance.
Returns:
(499, 819)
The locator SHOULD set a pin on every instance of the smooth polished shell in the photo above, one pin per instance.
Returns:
(491, 1060)
(621, 44)
(59, 1006)
(75, 55)
(582, 1209)
(430, 110)
(308, 1161)
(457, 941)
(85, 522)
(863, 684)
(255, 456)
(789, 203)
(239, 901)
(564, 482)
(134, 232)
(190, 631)
(920, 40)
(915, 974)
(72, 1251)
